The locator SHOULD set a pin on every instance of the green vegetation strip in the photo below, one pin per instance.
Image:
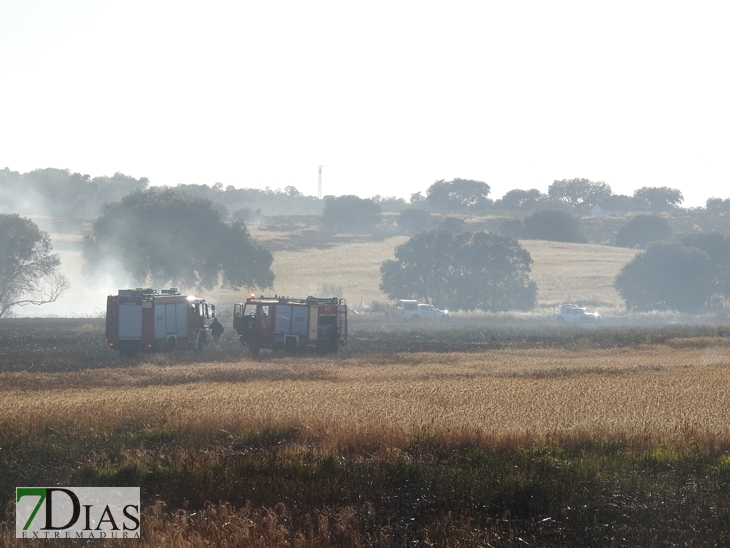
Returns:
(585, 493)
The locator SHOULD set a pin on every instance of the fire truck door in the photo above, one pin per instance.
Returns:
(160, 330)
(313, 323)
(282, 320)
(299, 320)
(170, 319)
(130, 321)
(264, 324)
(181, 319)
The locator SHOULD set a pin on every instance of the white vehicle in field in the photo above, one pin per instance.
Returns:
(410, 309)
(570, 313)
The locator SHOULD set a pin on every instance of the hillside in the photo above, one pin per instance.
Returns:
(581, 273)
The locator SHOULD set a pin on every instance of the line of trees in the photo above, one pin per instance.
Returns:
(61, 193)
(180, 236)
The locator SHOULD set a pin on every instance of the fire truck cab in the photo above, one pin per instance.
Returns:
(145, 320)
(281, 323)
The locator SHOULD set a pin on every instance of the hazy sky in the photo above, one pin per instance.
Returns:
(387, 96)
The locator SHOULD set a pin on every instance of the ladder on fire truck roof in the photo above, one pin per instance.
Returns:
(147, 292)
(310, 301)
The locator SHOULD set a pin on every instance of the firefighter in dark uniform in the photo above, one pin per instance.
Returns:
(216, 330)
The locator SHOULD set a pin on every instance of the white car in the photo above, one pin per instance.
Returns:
(571, 313)
(409, 309)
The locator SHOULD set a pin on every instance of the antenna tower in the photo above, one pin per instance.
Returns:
(319, 186)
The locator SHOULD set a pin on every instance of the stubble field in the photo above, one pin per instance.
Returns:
(582, 273)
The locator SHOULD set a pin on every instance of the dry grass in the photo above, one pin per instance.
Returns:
(662, 392)
(353, 270)
(370, 412)
(579, 273)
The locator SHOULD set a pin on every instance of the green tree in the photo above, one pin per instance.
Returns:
(453, 224)
(414, 220)
(621, 202)
(114, 188)
(417, 199)
(520, 199)
(467, 271)
(29, 272)
(457, 195)
(660, 198)
(160, 236)
(717, 205)
(556, 226)
(717, 247)
(513, 228)
(643, 230)
(579, 192)
(61, 193)
(667, 276)
(350, 213)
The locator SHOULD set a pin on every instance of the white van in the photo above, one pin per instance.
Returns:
(410, 309)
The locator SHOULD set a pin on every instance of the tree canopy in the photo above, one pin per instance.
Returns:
(642, 230)
(688, 275)
(660, 198)
(350, 213)
(29, 272)
(667, 276)
(520, 199)
(467, 271)
(579, 192)
(718, 205)
(717, 247)
(414, 220)
(457, 194)
(556, 226)
(160, 236)
(61, 193)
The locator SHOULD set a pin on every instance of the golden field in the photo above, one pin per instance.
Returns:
(663, 392)
(564, 272)
(580, 273)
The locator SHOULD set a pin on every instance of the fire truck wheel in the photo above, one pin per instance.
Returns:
(170, 344)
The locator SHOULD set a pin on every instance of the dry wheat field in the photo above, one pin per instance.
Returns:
(666, 392)
(496, 444)
(582, 273)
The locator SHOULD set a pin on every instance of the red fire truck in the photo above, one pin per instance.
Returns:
(281, 323)
(145, 320)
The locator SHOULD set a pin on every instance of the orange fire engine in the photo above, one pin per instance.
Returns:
(145, 320)
(291, 324)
